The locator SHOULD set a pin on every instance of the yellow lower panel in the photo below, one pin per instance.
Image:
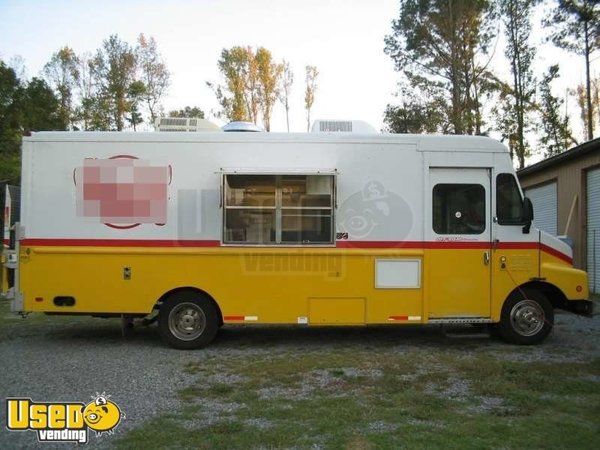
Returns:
(275, 285)
(267, 285)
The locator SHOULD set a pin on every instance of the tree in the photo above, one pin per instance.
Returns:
(285, 90)
(10, 90)
(309, 94)
(40, 109)
(580, 93)
(516, 17)
(505, 119)
(113, 68)
(575, 26)
(86, 88)
(62, 74)
(17, 63)
(437, 44)
(414, 114)
(135, 95)
(556, 136)
(188, 111)
(269, 74)
(30, 106)
(251, 82)
(153, 74)
(233, 65)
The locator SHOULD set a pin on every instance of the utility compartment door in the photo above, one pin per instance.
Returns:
(458, 226)
(336, 310)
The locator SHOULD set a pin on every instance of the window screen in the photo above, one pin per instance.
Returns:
(459, 209)
(509, 204)
(279, 209)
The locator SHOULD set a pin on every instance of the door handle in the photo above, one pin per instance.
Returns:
(486, 258)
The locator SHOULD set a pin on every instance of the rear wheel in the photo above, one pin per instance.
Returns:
(527, 317)
(188, 320)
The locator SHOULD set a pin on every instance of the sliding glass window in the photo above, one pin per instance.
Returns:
(279, 209)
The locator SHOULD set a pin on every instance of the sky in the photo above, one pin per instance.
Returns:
(344, 39)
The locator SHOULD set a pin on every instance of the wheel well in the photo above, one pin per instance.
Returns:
(165, 297)
(554, 295)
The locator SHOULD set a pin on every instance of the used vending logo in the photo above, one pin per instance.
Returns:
(63, 421)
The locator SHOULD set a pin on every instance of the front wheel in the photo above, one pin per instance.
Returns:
(527, 317)
(188, 321)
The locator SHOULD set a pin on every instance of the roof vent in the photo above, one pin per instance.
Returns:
(243, 127)
(184, 124)
(342, 126)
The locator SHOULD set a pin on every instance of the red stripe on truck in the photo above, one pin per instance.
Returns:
(398, 318)
(32, 242)
(41, 242)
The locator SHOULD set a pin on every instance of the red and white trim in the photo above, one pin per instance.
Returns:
(404, 319)
(240, 318)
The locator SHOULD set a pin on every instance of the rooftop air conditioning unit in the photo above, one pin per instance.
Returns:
(342, 126)
(184, 124)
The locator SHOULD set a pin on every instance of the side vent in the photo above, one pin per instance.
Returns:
(342, 126)
(335, 125)
(184, 124)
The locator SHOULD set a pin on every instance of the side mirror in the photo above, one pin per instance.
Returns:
(527, 215)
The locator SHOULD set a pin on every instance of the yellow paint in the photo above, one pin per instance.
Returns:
(276, 284)
(520, 267)
(336, 311)
(459, 283)
(565, 277)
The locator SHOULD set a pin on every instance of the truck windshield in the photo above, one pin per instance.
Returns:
(509, 204)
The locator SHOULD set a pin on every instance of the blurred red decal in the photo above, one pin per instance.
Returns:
(122, 192)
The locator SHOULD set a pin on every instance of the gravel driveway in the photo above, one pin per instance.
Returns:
(70, 359)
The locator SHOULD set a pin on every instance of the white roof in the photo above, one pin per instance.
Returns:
(424, 142)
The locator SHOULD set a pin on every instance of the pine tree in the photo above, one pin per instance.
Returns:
(516, 18)
(438, 44)
(575, 26)
(556, 136)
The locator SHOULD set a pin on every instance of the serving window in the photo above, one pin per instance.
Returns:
(278, 209)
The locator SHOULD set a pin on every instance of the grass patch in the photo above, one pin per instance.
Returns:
(376, 399)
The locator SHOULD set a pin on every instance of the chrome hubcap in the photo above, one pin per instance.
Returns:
(527, 317)
(187, 321)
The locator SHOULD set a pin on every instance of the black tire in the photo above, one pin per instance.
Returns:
(188, 320)
(527, 317)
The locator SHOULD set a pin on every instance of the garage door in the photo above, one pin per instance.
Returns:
(545, 207)
(593, 227)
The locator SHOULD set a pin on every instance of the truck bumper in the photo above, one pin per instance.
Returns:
(580, 307)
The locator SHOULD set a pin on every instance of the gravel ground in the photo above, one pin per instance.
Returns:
(70, 359)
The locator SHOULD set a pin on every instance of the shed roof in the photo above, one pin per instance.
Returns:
(569, 155)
